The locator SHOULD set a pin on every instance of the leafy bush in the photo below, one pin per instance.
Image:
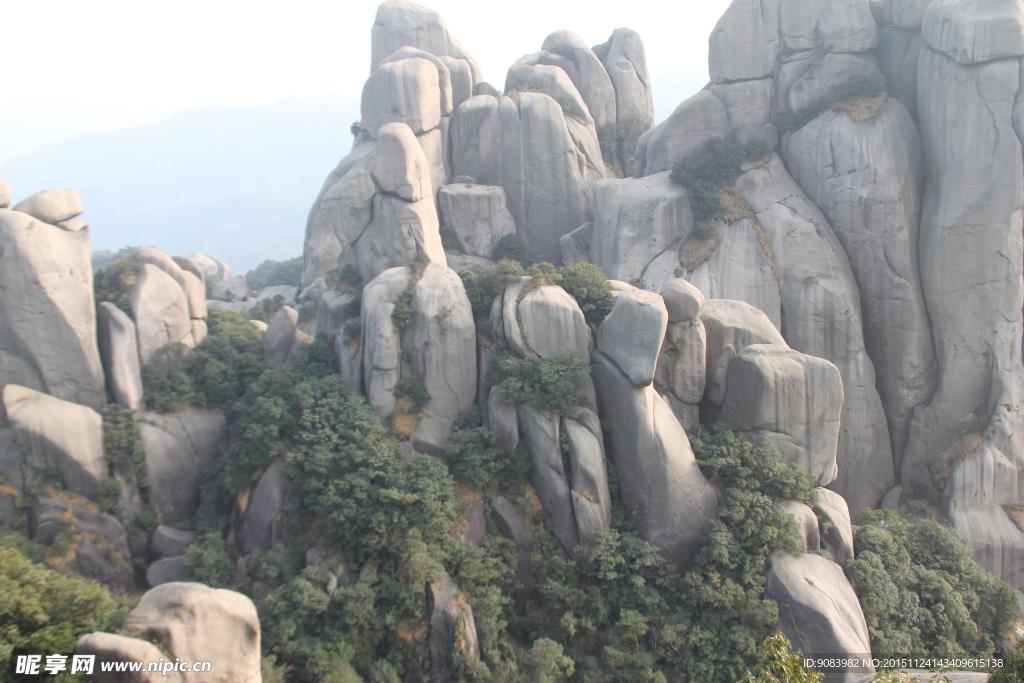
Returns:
(511, 248)
(779, 665)
(473, 456)
(402, 313)
(1012, 670)
(227, 361)
(166, 387)
(862, 85)
(716, 164)
(266, 309)
(44, 612)
(544, 273)
(922, 591)
(450, 239)
(207, 561)
(551, 384)
(270, 273)
(117, 292)
(589, 286)
(354, 128)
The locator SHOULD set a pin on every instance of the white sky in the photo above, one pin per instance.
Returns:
(70, 67)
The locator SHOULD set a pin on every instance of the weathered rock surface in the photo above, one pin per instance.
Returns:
(549, 321)
(745, 42)
(5, 195)
(541, 437)
(477, 214)
(166, 570)
(741, 268)
(867, 179)
(57, 434)
(832, 25)
(682, 362)
(692, 124)
(632, 334)
(195, 623)
(502, 418)
(731, 326)
(475, 524)
(281, 336)
(837, 536)
(381, 344)
(51, 206)
(211, 267)
(330, 311)
(793, 400)
(99, 545)
(824, 74)
(119, 349)
(160, 311)
(167, 541)
(635, 221)
(666, 497)
(510, 525)
(588, 476)
(399, 166)
(806, 523)
(898, 53)
(262, 525)
(399, 23)
(176, 449)
(625, 61)
(818, 610)
(497, 140)
(406, 91)
(47, 312)
(446, 611)
(683, 301)
(821, 316)
(974, 31)
(576, 244)
(191, 285)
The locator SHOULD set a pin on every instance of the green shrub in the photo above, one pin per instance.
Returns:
(353, 330)
(44, 612)
(490, 282)
(402, 313)
(589, 286)
(715, 165)
(227, 361)
(450, 239)
(551, 384)
(609, 135)
(1012, 670)
(117, 292)
(270, 273)
(411, 389)
(354, 128)
(207, 561)
(473, 456)
(122, 445)
(779, 665)
(544, 273)
(353, 308)
(266, 309)
(922, 591)
(511, 248)
(862, 85)
(166, 386)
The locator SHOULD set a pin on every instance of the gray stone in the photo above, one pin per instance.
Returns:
(160, 310)
(446, 612)
(262, 525)
(683, 301)
(176, 449)
(189, 265)
(550, 322)
(484, 88)
(340, 213)
(970, 259)
(5, 195)
(211, 267)
(867, 179)
(692, 124)
(98, 543)
(898, 53)
(195, 623)
(831, 70)
(821, 316)
(476, 524)
(73, 225)
(399, 23)
(745, 42)
(167, 570)
(834, 25)
(510, 525)
(576, 244)
(625, 61)
(57, 434)
(286, 292)
(903, 14)
(741, 268)
(109, 647)
(119, 349)
(666, 497)
(587, 72)
(477, 214)
(312, 292)
(731, 326)
(835, 528)
(330, 312)
(381, 343)
(440, 349)
(400, 166)
(632, 334)
(167, 541)
(818, 610)
(192, 286)
(502, 418)
(682, 363)
(550, 80)
(806, 523)
(406, 91)
(497, 140)
(793, 400)
(891, 501)
(231, 289)
(280, 337)
(541, 436)
(460, 71)
(51, 206)
(398, 232)
(47, 312)
(444, 80)
(635, 221)
(591, 500)
(974, 31)
(748, 103)
(259, 325)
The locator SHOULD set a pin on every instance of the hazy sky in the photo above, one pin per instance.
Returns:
(71, 67)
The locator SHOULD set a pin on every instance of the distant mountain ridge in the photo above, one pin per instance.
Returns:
(236, 182)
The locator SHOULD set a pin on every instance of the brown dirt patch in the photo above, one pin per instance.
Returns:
(1015, 511)
(941, 466)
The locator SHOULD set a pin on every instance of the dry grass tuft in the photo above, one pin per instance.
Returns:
(862, 109)
(941, 466)
(1015, 511)
(695, 251)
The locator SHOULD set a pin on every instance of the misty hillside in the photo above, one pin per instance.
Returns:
(236, 182)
